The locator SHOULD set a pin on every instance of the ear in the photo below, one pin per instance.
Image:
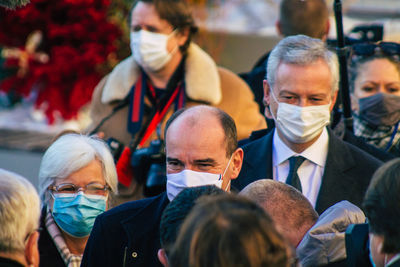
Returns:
(182, 35)
(162, 257)
(237, 161)
(334, 98)
(32, 250)
(266, 99)
(327, 28)
(278, 27)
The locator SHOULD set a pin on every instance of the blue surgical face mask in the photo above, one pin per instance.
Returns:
(75, 214)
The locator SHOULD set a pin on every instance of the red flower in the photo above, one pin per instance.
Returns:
(78, 38)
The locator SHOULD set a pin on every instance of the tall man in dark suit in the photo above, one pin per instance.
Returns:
(299, 94)
(201, 149)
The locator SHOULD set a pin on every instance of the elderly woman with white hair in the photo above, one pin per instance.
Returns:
(19, 221)
(76, 177)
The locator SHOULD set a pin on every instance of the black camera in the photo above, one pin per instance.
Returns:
(149, 167)
(148, 164)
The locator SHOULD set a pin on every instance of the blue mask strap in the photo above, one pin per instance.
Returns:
(396, 127)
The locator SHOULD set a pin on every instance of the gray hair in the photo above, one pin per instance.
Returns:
(19, 211)
(302, 50)
(68, 154)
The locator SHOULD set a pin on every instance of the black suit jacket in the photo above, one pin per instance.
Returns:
(395, 264)
(127, 235)
(347, 173)
(49, 255)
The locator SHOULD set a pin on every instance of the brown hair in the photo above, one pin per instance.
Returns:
(381, 205)
(304, 17)
(228, 230)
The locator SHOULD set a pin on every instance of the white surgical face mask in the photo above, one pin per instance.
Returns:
(150, 49)
(301, 124)
(176, 182)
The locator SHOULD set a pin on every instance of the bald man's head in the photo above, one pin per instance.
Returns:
(206, 117)
(291, 211)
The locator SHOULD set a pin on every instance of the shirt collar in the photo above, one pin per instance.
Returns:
(316, 153)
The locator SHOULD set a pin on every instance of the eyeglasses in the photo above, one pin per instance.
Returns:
(90, 189)
(390, 49)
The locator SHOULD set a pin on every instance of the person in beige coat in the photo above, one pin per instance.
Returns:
(161, 33)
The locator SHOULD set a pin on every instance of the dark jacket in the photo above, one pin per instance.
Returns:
(347, 173)
(254, 79)
(49, 255)
(4, 262)
(127, 235)
(395, 264)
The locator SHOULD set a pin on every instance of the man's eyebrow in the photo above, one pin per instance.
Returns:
(173, 159)
(286, 92)
(202, 161)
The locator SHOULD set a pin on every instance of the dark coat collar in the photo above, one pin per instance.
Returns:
(5, 262)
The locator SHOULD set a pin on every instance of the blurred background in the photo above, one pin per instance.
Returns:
(53, 53)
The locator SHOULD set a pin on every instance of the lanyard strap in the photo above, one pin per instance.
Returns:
(160, 113)
(175, 91)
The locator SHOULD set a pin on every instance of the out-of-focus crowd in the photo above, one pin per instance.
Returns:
(181, 168)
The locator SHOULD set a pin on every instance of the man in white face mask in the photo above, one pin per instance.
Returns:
(299, 93)
(201, 149)
(166, 71)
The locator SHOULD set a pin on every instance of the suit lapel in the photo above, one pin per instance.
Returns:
(258, 160)
(335, 183)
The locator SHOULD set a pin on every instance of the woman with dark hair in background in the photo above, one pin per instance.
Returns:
(375, 86)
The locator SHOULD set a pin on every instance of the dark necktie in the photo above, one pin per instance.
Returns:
(293, 178)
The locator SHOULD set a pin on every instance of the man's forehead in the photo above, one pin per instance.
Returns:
(314, 75)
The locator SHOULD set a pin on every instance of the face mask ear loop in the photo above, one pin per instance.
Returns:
(227, 186)
(226, 168)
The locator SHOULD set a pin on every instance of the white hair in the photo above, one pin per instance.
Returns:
(68, 154)
(19, 211)
(302, 50)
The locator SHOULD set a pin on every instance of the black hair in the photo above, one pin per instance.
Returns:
(382, 205)
(176, 211)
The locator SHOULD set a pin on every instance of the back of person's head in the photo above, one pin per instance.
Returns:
(308, 17)
(71, 152)
(19, 219)
(302, 50)
(228, 230)
(290, 210)
(176, 212)
(382, 205)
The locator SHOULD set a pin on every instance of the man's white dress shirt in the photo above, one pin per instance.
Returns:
(310, 172)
